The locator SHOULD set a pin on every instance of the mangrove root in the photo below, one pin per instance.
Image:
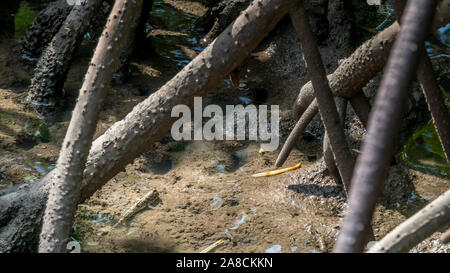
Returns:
(417, 228)
(46, 88)
(65, 190)
(373, 163)
(145, 124)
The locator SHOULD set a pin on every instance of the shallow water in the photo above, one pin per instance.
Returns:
(237, 224)
(180, 32)
(40, 167)
(275, 249)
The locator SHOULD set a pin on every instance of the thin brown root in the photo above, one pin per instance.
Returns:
(298, 130)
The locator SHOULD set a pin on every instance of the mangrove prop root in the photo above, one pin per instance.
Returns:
(363, 64)
(432, 92)
(296, 132)
(66, 181)
(149, 120)
(322, 93)
(445, 237)
(359, 103)
(436, 102)
(328, 156)
(41, 31)
(355, 71)
(361, 106)
(417, 228)
(133, 41)
(45, 92)
(362, 109)
(373, 163)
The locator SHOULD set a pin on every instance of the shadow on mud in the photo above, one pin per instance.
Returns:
(146, 245)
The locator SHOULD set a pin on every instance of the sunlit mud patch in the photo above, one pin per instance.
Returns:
(243, 155)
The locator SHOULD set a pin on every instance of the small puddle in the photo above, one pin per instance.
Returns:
(274, 249)
(243, 155)
(99, 218)
(41, 167)
(438, 46)
(221, 168)
(216, 203)
(237, 224)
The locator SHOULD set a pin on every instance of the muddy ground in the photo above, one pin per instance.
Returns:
(206, 189)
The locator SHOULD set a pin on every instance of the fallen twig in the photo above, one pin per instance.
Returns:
(213, 246)
(150, 198)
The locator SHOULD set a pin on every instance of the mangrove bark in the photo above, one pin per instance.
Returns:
(363, 64)
(43, 28)
(66, 180)
(46, 88)
(384, 121)
(417, 228)
(145, 124)
(322, 93)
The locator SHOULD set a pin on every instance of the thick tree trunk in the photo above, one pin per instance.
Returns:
(147, 123)
(51, 71)
(42, 30)
(66, 180)
(373, 163)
